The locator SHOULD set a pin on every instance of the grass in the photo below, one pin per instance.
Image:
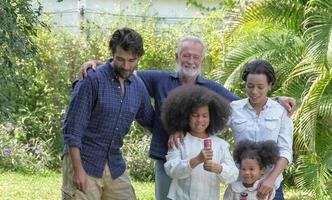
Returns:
(46, 185)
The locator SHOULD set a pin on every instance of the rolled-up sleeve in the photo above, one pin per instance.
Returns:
(145, 114)
(229, 172)
(78, 114)
(285, 138)
(175, 167)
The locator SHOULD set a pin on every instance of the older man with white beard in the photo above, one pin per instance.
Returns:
(189, 57)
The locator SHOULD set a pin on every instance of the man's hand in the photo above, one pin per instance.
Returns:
(265, 188)
(289, 103)
(80, 179)
(91, 64)
(175, 140)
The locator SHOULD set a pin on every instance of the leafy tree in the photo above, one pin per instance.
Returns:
(18, 22)
(295, 36)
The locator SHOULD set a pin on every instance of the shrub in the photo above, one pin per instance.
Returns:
(135, 151)
(31, 156)
(44, 85)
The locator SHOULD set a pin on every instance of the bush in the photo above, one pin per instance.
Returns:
(135, 151)
(45, 83)
(31, 156)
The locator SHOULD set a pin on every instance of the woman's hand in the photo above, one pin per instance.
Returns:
(265, 188)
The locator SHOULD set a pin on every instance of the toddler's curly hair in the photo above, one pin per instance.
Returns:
(266, 152)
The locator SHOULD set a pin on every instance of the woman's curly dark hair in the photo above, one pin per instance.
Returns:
(266, 152)
(184, 100)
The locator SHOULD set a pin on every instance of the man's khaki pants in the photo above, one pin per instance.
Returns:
(98, 188)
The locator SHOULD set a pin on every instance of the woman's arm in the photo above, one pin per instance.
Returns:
(266, 187)
(285, 143)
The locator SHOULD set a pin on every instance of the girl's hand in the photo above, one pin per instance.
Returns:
(206, 154)
(203, 156)
(265, 188)
(212, 167)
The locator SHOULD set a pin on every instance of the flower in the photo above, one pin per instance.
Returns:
(7, 151)
(10, 127)
(38, 149)
(129, 158)
(145, 138)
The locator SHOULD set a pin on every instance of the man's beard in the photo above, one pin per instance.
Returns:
(187, 72)
(121, 73)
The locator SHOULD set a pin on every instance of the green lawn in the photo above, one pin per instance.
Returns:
(14, 185)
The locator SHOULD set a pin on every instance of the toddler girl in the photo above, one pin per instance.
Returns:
(253, 158)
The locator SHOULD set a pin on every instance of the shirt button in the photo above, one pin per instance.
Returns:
(116, 129)
(119, 87)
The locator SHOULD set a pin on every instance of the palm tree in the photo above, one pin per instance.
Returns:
(296, 37)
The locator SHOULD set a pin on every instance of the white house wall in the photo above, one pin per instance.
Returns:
(67, 13)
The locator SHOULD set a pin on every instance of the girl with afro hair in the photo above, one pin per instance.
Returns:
(253, 158)
(196, 171)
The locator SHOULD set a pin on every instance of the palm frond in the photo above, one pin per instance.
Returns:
(289, 13)
(305, 119)
(282, 49)
(306, 68)
(312, 173)
(325, 108)
(319, 28)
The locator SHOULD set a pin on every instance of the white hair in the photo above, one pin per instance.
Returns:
(192, 39)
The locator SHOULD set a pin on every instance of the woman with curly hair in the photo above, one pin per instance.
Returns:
(196, 171)
(253, 158)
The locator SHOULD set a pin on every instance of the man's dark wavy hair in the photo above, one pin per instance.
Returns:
(266, 152)
(184, 100)
(129, 40)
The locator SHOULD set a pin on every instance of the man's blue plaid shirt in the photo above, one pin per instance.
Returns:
(99, 116)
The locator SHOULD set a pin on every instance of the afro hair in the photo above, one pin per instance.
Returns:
(184, 100)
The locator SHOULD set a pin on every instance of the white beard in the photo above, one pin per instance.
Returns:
(188, 72)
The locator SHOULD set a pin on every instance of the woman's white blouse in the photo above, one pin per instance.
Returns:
(197, 183)
(271, 124)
